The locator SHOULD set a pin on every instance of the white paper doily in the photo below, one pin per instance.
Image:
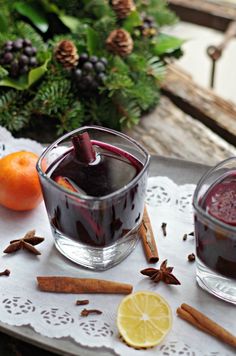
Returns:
(56, 315)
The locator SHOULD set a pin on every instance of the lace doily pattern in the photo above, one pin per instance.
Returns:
(56, 315)
(169, 196)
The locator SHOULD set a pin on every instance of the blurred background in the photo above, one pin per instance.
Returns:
(195, 59)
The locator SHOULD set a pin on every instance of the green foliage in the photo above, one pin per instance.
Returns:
(159, 10)
(49, 92)
(24, 30)
(25, 81)
(3, 72)
(11, 115)
(34, 13)
(132, 21)
(165, 44)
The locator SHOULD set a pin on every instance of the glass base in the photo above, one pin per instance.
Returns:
(96, 258)
(216, 284)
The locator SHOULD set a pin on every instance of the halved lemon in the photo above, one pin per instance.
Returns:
(144, 319)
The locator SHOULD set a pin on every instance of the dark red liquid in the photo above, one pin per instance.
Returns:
(94, 222)
(216, 247)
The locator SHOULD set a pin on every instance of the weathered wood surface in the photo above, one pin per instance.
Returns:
(216, 15)
(170, 132)
(201, 103)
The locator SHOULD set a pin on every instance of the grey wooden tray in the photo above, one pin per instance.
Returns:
(23, 340)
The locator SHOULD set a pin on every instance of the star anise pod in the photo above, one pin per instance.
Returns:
(27, 242)
(163, 274)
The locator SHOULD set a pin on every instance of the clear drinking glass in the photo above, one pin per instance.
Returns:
(215, 230)
(96, 232)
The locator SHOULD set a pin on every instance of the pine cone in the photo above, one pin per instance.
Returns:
(120, 42)
(123, 8)
(66, 54)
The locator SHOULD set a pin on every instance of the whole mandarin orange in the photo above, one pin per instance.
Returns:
(19, 183)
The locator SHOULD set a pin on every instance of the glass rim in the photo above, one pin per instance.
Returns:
(201, 211)
(85, 197)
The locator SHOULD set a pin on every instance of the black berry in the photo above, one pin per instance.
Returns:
(7, 58)
(78, 73)
(8, 44)
(18, 44)
(83, 58)
(33, 61)
(99, 67)
(90, 73)
(34, 50)
(18, 56)
(88, 67)
(27, 42)
(28, 51)
(101, 77)
(93, 59)
(24, 59)
(103, 60)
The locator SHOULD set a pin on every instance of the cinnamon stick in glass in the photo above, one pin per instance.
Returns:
(83, 148)
(148, 239)
(202, 322)
(81, 285)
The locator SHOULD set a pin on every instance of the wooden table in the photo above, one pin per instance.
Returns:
(190, 122)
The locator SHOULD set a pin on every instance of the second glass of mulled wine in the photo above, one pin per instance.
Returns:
(215, 230)
(94, 190)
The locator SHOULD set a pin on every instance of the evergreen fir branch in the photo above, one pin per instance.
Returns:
(119, 66)
(9, 100)
(52, 98)
(71, 118)
(97, 8)
(164, 17)
(131, 114)
(132, 83)
(6, 8)
(102, 111)
(118, 81)
(24, 30)
(71, 7)
(6, 37)
(127, 109)
(159, 10)
(10, 111)
(105, 25)
(15, 121)
(137, 62)
(145, 92)
(92, 111)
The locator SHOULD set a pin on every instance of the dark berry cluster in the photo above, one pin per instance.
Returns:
(90, 72)
(148, 27)
(18, 57)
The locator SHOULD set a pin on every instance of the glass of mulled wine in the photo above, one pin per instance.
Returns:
(94, 190)
(215, 230)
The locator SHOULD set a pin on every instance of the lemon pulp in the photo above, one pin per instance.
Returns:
(144, 319)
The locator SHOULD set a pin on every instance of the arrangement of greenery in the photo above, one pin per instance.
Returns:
(64, 64)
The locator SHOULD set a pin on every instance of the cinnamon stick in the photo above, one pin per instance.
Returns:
(83, 148)
(201, 321)
(81, 285)
(148, 239)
